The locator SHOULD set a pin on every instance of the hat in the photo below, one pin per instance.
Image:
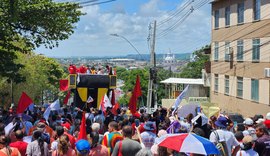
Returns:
(149, 126)
(161, 132)
(83, 146)
(248, 121)
(247, 139)
(267, 116)
(221, 122)
(260, 120)
(267, 123)
(95, 126)
(172, 118)
(41, 125)
(66, 125)
(137, 115)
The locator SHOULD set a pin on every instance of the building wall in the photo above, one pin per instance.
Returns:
(248, 69)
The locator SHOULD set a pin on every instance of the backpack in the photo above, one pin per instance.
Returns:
(221, 146)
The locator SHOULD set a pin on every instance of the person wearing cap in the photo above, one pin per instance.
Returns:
(262, 144)
(249, 128)
(260, 121)
(267, 121)
(247, 150)
(72, 140)
(148, 137)
(222, 134)
(42, 128)
(82, 147)
(126, 147)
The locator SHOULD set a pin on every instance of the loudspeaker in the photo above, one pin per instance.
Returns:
(112, 81)
(72, 81)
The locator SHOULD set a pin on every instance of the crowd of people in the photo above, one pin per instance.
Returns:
(124, 134)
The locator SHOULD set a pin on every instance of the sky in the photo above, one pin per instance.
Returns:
(178, 29)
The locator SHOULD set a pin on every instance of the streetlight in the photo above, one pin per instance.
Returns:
(116, 35)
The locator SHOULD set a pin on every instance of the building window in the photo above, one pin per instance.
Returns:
(216, 19)
(227, 85)
(240, 50)
(256, 49)
(240, 87)
(216, 52)
(240, 13)
(216, 82)
(257, 10)
(255, 90)
(227, 51)
(227, 16)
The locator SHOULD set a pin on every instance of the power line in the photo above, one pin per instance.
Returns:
(230, 35)
(177, 12)
(182, 19)
(86, 3)
(97, 3)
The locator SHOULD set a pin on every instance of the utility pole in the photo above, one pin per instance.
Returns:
(152, 72)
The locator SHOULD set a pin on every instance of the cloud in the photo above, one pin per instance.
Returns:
(92, 35)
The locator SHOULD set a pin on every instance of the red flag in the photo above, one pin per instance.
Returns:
(136, 93)
(66, 98)
(113, 98)
(63, 85)
(82, 134)
(114, 71)
(115, 107)
(24, 102)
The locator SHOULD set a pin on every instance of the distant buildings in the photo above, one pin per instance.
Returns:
(240, 62)
(169, 62)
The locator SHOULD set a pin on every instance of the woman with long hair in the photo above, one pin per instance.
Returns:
(96, 148)
(38, 147)
(64, 148)
(5, 149)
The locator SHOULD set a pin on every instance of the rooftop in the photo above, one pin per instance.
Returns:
(183, 81)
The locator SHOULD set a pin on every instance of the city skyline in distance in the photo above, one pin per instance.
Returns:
(131, 19)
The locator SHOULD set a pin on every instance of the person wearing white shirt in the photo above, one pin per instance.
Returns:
(222, 134)
(247, 147)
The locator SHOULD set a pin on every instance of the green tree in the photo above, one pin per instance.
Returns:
(37, 22)
(27, 24)
(193, 69)
(129, 78)
(41, 75)
(162, 74)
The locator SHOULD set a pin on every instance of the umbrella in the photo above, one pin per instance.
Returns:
(24, 117)
(200, 119)
(189, 143)
(184, 110)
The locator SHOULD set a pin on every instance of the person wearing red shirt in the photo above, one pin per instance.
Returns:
(72, 140)
(19, 144)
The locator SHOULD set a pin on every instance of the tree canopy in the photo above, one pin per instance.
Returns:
(27, 24)
(36, 22)
(129, 78)
(24, 26)
(193, 69)
(41, 75)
